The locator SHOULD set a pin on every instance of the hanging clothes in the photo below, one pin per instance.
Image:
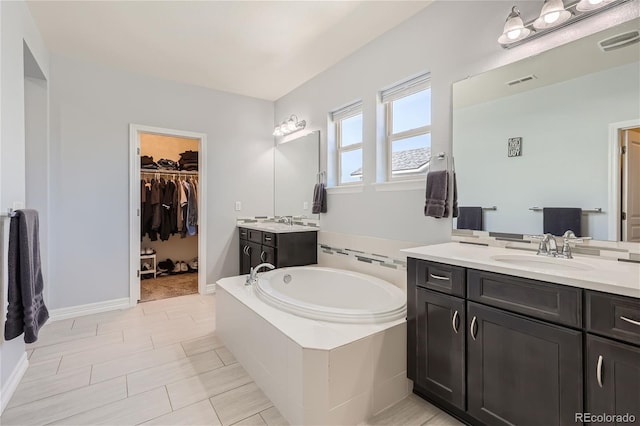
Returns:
(165, 208)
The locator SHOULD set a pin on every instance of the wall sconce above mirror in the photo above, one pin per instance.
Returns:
(553, 16)
(289, 125)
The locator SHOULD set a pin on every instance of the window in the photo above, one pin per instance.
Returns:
(348, 128)
(408, 127)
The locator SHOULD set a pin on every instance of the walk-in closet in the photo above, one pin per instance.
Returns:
(169, 188)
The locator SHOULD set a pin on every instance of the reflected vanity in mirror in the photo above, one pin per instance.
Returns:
(296, 164)
(549, 131)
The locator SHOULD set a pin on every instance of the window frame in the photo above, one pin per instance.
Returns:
(338, 117)
(388, 97)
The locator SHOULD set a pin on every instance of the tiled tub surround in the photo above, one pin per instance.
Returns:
(315, 372)
(615, 250)
(378, 257)
(605, 275)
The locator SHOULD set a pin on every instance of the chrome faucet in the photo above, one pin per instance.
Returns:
(252, 278)
(548, 246)
(288, 220)
(566, 247)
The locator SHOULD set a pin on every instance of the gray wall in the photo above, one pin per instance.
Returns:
(16, 29)
(452, 40)
(91, 108)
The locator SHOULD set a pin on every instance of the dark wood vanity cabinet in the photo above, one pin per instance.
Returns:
(511, 350)
(279, 249)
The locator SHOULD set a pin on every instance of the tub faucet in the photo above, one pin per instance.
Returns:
(252, 278)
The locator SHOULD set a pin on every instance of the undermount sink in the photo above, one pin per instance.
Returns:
(542, 262)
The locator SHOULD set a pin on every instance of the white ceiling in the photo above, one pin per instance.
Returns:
(262, 49)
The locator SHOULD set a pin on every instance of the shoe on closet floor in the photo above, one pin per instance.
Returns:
(193, 265)
(184, 267)
(176, 268)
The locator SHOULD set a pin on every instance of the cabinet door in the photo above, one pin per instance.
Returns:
(522, 371)
(268, 255)
(613, 378)
(245, 257)
(254, 254)
(440, 362)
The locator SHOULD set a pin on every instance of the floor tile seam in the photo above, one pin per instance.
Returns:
(174, 381)
(62, 393)
(138, 370)
(109, 360)
(48, 396)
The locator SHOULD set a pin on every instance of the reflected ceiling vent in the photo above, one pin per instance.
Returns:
(521, 80)
(619, 41)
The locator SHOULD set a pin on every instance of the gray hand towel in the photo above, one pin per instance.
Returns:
(437, 194)
(558, 220)
(26, 312)
(319, 199)
(469, 218)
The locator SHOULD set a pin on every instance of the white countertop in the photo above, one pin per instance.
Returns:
(307, 333)
(277, 228)
(608, 276)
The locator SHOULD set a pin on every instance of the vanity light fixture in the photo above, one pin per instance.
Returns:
(289, 125)
(555, 14)
(552, 14)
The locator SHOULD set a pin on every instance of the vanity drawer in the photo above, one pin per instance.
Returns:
(244, 233)
(613, 316)
(537, 299)
(269, 239)
(255, 236)
(440, 277)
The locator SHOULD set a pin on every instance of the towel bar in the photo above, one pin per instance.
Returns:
(584, 211)
(8, 213)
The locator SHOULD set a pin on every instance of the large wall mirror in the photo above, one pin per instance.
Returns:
(296, 172)
(547, 132)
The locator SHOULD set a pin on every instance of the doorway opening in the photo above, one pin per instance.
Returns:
(624, 223)
(168, 190)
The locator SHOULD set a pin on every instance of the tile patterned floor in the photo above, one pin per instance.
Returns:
(159, 363)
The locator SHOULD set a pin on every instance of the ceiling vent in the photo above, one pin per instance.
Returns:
(521, 80)
(619, 41)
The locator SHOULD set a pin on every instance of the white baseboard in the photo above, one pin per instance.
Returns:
(211, 288)
(88, 309)
(12, 383)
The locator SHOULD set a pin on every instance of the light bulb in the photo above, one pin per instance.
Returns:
(552, 17)
(291, 125)
(594, 2)
(514, 34)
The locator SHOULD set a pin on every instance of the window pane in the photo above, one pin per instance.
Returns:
(412, 111)
(411, 155)
(351, 130)
(351, 165)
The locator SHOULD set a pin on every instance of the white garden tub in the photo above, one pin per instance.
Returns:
(335, 295)
(328, 347)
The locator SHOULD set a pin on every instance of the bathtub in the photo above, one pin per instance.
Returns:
(327, 346)
(329, 294)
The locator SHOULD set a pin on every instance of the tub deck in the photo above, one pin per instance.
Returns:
(315, 372)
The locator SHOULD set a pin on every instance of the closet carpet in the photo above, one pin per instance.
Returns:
(169, 286)
(159, 363)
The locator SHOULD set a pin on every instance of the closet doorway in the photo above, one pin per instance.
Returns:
(168, 210)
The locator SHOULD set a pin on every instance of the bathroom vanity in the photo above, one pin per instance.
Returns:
(496, 337)
(279, 244)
